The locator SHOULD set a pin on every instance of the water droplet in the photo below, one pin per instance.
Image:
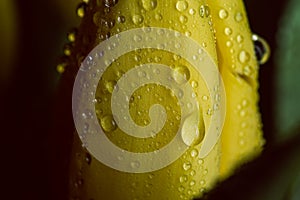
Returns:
(110, 86)
(181, 188)
(247, 70)
(204, 11)
(137, 19)
(188, 33)
(67, 49)
(192, 11)
(202, 182)
(88, 158)
(194, 84)
(223, 14)
(242, 113)
(244, 56)
(262, 49)
(193, 173)
(183, 19)
(135, 164)
(242, 142)
(60, 68)
(72, 35)
(121, 19)
(181, 5)
(108, 123)
(239, 38)
(245, 103)
(228, 31)
(192, 183)
(204, 98)
(149, 4)
(183, 178)
(81, 9)
(186, 166)
(238, 17)
(194, 153)
(110, 3)
(229, 44)
(158, 16)
(181, 74)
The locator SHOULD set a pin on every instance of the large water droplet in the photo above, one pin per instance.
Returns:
(181, 5)
(262, 49)
(149, 4)
(223, 14)
(108, 123)
(181, 74)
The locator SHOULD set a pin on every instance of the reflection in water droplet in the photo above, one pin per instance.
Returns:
(223, 14)
(204, 11)
(149, 4)
(181, 74)
(247, 70)
(181, 5)
(262, 49)
(108, 123)
(137, 19)
(229, 44)
(88, 158)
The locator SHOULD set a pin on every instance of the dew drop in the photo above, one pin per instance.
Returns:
(181, 5)
(149, 4)
(186, 166)
(110, 3)
(202, 182)
(192, 183)
(247, 70)
(181, 74)
(223, 14)
(88, 158)
(244, 56)
(229, 44)
(183, 19)
(181, 188)
(121, 19)
(60, 68)
(238, 17)
(81, 9)
(135, 164)
(204, 11)
(137, 19)
(192, 11)
(193, 173)
(194, 153)
(110, 86)
(228, 31)
(72, 35)
(262, 49)
(108, 123)
(183, 178)
(239, 38)
(194, 84)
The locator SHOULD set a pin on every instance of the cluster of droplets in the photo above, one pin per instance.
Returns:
(189, 184)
